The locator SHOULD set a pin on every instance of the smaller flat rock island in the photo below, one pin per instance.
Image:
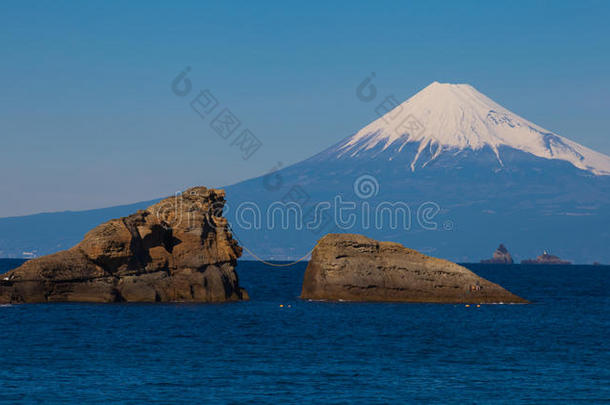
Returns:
(178, 250)
(546, 258)
(352, 267)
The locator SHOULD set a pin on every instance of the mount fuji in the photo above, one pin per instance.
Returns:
(452, 118)
(474, 172)
(468, 173)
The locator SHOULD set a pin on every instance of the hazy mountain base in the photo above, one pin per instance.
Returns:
(528, 203)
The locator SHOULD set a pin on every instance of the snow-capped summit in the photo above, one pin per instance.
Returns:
(446, 117)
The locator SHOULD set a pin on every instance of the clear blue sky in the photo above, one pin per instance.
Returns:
(87, 117)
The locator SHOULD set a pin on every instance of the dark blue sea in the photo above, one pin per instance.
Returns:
(279, 349)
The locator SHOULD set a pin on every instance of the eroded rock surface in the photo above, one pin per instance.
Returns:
(356, 268)
(179, 250)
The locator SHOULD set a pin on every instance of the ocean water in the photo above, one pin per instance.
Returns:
(279, 349)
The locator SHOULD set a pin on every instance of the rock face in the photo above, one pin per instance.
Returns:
(500, 256)
(179, 250)
(355, 268)
(545, 258)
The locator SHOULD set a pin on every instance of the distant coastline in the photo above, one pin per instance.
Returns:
(6, 261)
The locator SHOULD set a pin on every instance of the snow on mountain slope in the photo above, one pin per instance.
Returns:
(449, 117)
